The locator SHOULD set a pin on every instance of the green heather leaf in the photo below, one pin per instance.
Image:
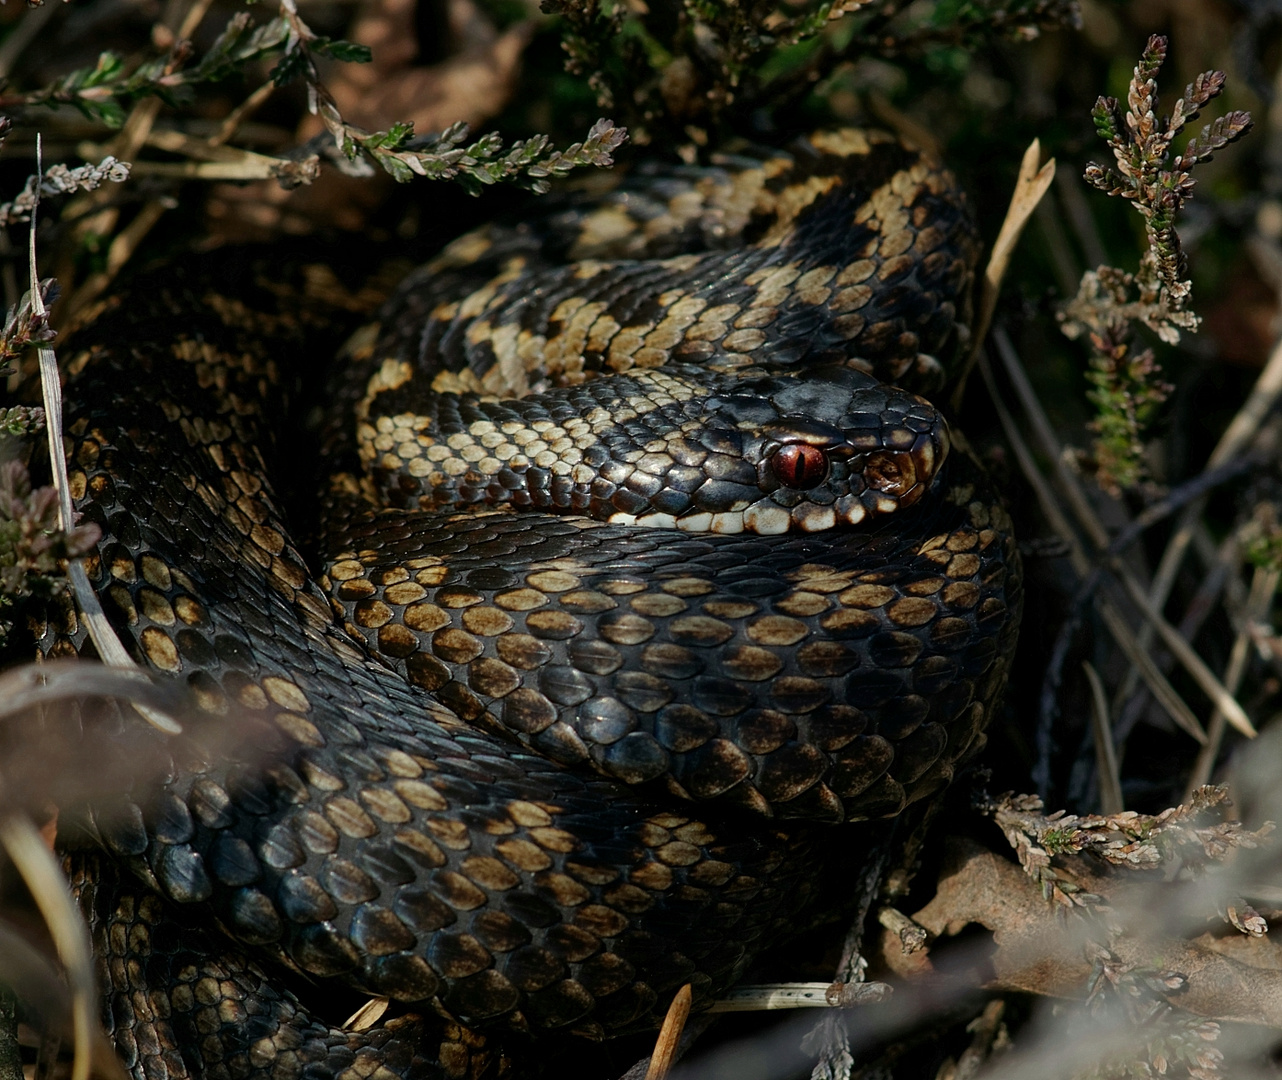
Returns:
(291, 66)
(347, 51)
(106, 111)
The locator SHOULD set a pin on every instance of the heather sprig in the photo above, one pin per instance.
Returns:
(24, 326)
(1189, 835)
(729, 57)
(1109, 303)
(530, 162)
(101, 92)
(1176, 1045)
(1181, 839)
(1125, 390)
(32, 546)
(1157, 183)
(61, 180)
(441, 157)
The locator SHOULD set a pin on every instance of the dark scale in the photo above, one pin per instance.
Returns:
(377, 800)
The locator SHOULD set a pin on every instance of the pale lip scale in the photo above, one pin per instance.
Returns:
(911, 475)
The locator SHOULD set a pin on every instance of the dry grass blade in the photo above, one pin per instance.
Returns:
(104, 637)
(1098, 536)
(665, 1047)
(22, 35)
(212, 160)
(39, 870)
(903, 124)
(26, 968)
(31, 685)
(1242, 429)
(367, 1015)
(1264, 586)
(1220, 697)
(1110, 782)
(1050, 445)
(1031, 184)
(1157, 683)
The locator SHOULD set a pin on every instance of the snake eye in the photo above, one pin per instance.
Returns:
(800, 465)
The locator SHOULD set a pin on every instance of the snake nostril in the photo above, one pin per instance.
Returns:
(800, 466)
(894, 474)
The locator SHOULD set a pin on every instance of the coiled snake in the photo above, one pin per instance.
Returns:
(507, 763)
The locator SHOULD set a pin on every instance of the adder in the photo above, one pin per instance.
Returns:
(645, 571)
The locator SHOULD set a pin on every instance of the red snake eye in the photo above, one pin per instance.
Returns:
(800, 465)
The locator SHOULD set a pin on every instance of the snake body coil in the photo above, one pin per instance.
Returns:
(794, 603)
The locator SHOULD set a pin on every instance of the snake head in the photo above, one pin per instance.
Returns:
(834, 452)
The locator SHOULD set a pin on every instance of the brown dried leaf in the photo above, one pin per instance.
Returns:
(1041, 953)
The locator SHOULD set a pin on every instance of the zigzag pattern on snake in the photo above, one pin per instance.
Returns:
(501, 762)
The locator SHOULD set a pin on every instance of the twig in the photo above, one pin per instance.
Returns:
(95, 218)
(1090, 522)
(195, 16)
(985, 1029)
(241, 112)
(1113, 621)
(1040, 952)
(1264, 585)
(1110, 782)
(1030, 186)
(1079, 214)
(1239, 433)
(770, 997)
(1181, 495)
(255, 166)
(224, 163)
(911, 936)
(213, 171)
(1056, 245)
(665, 1047)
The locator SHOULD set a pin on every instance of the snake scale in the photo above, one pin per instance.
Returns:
(667, 583)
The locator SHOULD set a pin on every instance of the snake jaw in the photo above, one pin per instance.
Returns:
(816, 476)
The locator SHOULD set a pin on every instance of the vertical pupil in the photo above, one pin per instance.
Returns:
(799, 465)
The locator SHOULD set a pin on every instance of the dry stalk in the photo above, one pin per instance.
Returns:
(1030, 185)
(665, 1047)
(1110, 780)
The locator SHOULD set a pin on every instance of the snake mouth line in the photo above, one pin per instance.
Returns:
(881, 482)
